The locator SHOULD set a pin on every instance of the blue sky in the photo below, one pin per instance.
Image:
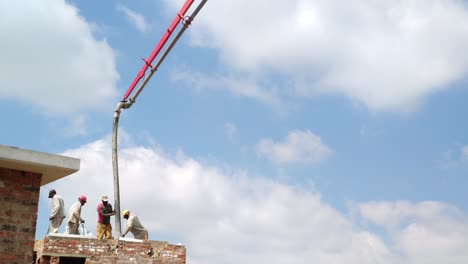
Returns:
(295, 132)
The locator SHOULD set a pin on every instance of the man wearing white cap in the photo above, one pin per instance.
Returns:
(104, 228)
(74, 215)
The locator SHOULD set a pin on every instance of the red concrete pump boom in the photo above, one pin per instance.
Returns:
(158, 47)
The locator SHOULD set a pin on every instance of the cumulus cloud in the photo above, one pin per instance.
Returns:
(426, 232)
(137, 19)
(298, 147)
(387, 55)
(234, 217)
(51, 60)
(221, 217)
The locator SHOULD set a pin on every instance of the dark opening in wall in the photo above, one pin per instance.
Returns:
(72, 260)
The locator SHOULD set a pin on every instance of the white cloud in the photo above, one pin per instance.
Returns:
(236, 85)
(299, 147)
(51, 59)
(221, 217)
(393, 214)
(426, 232)
(133, 17)
(387, 55)
(233, 217)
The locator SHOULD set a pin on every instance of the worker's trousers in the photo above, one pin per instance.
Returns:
(73, 228)
(143, 235)
(54, 224)
(104, 231)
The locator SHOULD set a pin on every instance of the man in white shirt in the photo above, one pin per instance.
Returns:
(57, 215)
(134, 226)
(74, 215)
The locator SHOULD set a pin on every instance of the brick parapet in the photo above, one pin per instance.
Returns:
(109, 251)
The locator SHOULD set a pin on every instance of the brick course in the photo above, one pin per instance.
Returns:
(96, 251)
(19, 196)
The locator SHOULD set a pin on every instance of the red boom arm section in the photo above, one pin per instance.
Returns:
(158, 47)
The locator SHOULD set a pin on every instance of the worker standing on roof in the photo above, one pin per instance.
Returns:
(104, 228)
(57, 215)
(134, 225)
(74, 215)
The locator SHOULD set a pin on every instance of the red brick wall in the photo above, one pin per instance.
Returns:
(19, 196)
(109, 251)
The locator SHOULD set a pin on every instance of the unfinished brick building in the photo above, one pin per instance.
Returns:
(22, 173)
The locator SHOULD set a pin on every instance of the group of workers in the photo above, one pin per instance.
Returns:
(105, 211)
